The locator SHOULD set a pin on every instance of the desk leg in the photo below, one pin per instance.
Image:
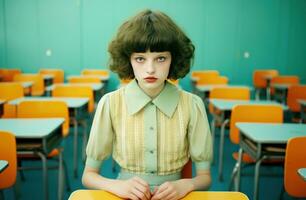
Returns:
(75, 148)
(84, 139)
(221, 147)
(256, 178)
(239, 168)
(45, 174)
(60, 176)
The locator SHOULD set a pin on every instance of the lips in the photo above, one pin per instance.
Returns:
(150, 79)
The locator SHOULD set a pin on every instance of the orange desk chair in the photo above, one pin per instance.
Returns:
(259, 80)
(187, 170)
(174, 82)
(10, 91)
(252, 113)
(8, 152)
(38, 87)
(295, 158)
(201, 74)
(46, 109)
(75, 91)
(8, 74)
(79, 92)
(99, 72)
(233, 93)
(295, 93)
(57, 73)
(84, 79)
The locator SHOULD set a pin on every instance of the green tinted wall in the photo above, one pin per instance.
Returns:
(77, 33)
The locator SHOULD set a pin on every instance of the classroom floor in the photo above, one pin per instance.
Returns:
(31, 188)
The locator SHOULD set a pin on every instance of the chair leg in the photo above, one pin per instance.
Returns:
(233, 176)
(68, 187)
(60, 177)
(21, 172)
(221, 148)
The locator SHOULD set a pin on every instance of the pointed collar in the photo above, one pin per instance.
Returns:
(166, 101)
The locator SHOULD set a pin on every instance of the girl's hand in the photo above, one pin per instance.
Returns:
(172, 190)
(134, 188)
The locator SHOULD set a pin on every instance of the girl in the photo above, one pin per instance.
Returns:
(150, 127)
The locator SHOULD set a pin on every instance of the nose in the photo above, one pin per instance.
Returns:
(150, 68)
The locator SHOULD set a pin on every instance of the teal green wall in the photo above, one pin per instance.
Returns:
(78, 33)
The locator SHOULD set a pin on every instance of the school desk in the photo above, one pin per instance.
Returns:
(99, 194)
(36, 136)
(258, 140)
(3, 165)
(302, 173)
(77, 112)
(225, 107)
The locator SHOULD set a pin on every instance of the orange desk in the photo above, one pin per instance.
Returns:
(99, 194)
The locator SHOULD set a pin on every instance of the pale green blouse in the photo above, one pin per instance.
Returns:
(150, 136)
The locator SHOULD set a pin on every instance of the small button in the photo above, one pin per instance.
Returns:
(151, 151)
(151, 103)
(152, 172)
(151, 128)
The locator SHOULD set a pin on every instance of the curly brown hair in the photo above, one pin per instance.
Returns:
(154, 31)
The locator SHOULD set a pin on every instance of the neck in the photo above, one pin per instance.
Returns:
(153, 92)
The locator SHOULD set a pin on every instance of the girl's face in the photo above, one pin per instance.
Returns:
(151, 69)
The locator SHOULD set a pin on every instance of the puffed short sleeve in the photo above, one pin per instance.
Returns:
(100, 142)
(199, 136)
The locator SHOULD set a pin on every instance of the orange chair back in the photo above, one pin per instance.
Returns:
(10, 91)
(292, 80)
(75, 91)
(8, 153)
(202, 74)
(295, 159)
(234, 93)
(43, 109)
(218, 80)
(99, 72)
(253, 113)
(8, 74)
(84, 79)
(295, 92)
(259, 80)
(38, 87)
(57, 73)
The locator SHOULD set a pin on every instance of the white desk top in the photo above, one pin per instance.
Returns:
(271, 132)
(2, 101)
(30, 127)
(94, 86)
(102, 78)
(227, 105)
(302, 173)
(3, 165)
(71, 102)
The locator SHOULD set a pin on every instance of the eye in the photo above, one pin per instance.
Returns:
(161, 59)
(139, 59)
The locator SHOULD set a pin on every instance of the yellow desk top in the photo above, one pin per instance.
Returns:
(99, 194)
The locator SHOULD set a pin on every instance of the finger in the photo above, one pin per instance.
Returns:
(141, 181)
(143, 189)
(133, 197)
(143, 186)
(140, 194)
(163, 193)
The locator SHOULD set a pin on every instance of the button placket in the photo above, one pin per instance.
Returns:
(150, 138)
